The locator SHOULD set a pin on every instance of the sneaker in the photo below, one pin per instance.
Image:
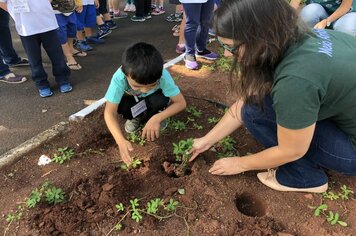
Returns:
(177, 17)
(153, 6)
(163, 125)
(269, 179)
(206, 54)
(45, 92)
(11, 78)
(158, 11)
(127, 7)
(111, 24)
(131, 126)
(94, 39)
(103, 31)
(120, 15)
(191, 62)
(65, 88)
(212, 32)
(82, 45)
(148, 16)
(111, 14)
(138, 19)
(22, 62)
(180, 49)
(132, 8)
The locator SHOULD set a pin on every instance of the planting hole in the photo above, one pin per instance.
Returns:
(248, 204)
(175, 170)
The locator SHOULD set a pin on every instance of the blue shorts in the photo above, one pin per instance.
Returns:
(87, 18)
(67, 27)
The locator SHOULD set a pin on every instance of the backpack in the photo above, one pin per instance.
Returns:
(64, 6)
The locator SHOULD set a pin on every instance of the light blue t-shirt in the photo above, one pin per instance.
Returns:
(119, 86)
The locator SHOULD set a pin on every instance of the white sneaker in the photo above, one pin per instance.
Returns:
(269, 179)
(131, 126)
(127, 7)
(132, 7)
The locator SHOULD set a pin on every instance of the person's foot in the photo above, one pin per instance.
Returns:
(12, 78)
(190, 62)
(206, 54)
(138, 18)
(131, 126)
(269, 179)
(132, 8)
(177, 17)
(103, 31)
(111, 24)
(82, 45)
(158, 11)
(74, 65)
(111, 14)
(212, 32)
(65, 88)
(22, 62)
(79, 53)
(148, 16)
(127, 7)
(94, 39)
(180, 48)
(45, 92)
(120, 15)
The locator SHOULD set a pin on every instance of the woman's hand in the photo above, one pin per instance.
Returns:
(151, 129)
(200, 145)
(321, 25)
(125, 148)
(227, 166)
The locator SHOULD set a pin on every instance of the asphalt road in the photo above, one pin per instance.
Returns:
(24, 114)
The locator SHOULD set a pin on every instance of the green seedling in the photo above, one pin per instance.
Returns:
(213, 120)
(13, 217)
(135, 213)
(181, 150)
(153, 205)
(331, 196)
(194, 111)
(63, 155)
(198, 127)
(34, 198)
(136, 138)
(224, 64)
(177, 125)
(120, 207)
(345, 192)
(226, 147)
(134, 164)
(172, 205)
(331, 217)
(54, 195)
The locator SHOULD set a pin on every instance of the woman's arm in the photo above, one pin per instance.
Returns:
(340, 11)
(3, 6)
(292, 145)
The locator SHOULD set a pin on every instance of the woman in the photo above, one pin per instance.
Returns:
(296, 95)
(333, 14)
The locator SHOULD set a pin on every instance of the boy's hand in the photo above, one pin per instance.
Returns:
(151, 129)
(97, 4)
(125, 148)
(200, 145)
(79, 9)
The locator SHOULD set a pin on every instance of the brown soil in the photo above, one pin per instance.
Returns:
(94, 182)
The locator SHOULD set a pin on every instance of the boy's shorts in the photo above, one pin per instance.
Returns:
(87, 18)
(67, 27)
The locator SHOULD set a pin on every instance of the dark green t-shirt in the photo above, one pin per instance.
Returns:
(331, 5)
(316, 80)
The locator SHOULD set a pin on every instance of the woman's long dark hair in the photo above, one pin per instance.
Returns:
(265, 29)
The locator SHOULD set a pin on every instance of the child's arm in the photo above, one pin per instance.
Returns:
(79, 4)
(151, 129)
(3, 6)
(295, 4)
(112, 122)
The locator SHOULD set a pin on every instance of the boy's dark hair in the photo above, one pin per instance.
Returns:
(143, 63)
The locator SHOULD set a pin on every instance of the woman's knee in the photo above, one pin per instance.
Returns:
(346, 24)
(312, 13)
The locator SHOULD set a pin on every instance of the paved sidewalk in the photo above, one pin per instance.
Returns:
(24, 114)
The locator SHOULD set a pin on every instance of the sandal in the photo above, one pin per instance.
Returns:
(175, 27)
(74, 66)
(80, 54)
(176, 32)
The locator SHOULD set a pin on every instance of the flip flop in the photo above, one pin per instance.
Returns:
(80, 54)
(74, 66)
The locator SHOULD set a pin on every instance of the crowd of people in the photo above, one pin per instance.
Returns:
(295, 90)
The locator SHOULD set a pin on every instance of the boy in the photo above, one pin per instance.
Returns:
(141, 90)
(36, 24)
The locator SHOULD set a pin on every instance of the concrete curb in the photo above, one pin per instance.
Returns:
(17, 152)
(29, 145)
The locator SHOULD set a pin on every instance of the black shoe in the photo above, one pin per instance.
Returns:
(21, 62)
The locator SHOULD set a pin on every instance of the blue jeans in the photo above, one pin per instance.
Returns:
(313, 13)
(330, 148)
(7, 51)
(197, 14)
(52, 46)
